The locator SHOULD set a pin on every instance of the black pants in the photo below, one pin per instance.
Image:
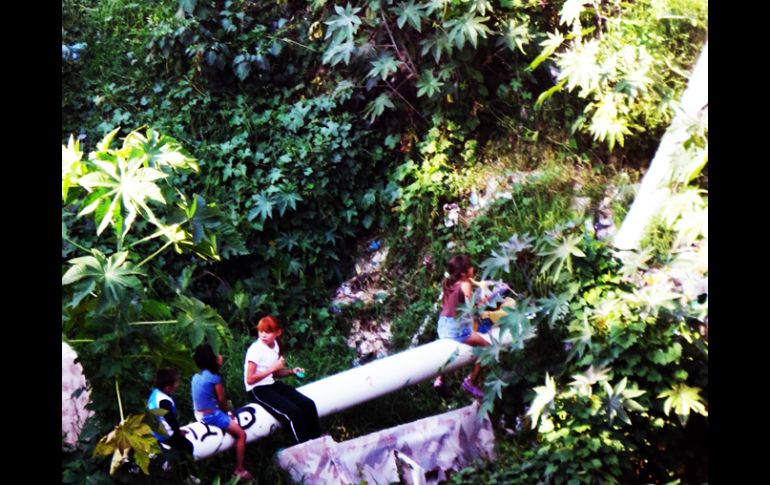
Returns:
(291, 408)
(179, 442)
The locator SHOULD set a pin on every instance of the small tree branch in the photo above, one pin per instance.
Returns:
(395, 91)
(409, 64)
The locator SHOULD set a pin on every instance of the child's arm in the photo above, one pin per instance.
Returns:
(220, 392)
(467, 290)
(289, 372)
(252, 376)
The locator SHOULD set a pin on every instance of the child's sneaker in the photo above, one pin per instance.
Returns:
(471, 389)
(244, 475)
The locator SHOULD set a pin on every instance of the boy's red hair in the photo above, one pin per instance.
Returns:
(268, 324)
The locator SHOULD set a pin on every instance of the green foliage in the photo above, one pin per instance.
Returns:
(404, 44)
(316, 125)
(428, 84)
(130, 435)
(109, 277)
(683, 399)
(375, 108)
(516, 35)
(411, 13)
(628, 63)
(544, 397)
(384, 66)
(623, 340)
(560, 252)
(106, 296)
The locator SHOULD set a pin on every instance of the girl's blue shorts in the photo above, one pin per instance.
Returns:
(451, 328)
(218, 418)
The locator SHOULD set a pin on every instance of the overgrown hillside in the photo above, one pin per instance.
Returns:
(224, 160)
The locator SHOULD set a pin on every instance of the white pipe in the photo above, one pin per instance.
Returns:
(344, 390)
(654, 188)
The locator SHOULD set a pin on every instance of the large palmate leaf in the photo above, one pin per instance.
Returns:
(71, 166)
(493, 389)
(409, 12)
(263, 207)
(340, 52)
(481, 6)
(468, 27)
(515, 35)
(518, 243)
(159, 151)
(199, 321)
(583, 383)
(508, 252)
(110, 277)
(122, 188)
(436, 44)
(683, 399)
(549, 45)
(344, 24)
(494, 264)
(342, 28)
(555, 306)
(581, 337)
(692, 226)
(428, 84)
(606, 122)
(560, 253)
(377, 107)
(635, 261)
(205, 224)
(132, 434)
(435, 5)
(579, 67)
(518, 322)
(570, 11)
(343, 91)
(635, 69)
(657, 295)
(544, 397)
(288, 199)
(687, 201)
(620, 399)
(383, 66)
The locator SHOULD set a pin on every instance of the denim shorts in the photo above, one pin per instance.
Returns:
(218, 418)
(451, 328)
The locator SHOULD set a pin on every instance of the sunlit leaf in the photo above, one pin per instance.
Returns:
(71, 166)
(683, 399)
(133, 434)
(544, 397)
(560, 253)
(570, 11)
(469, 27)
(579, 67)
(515, 35)
(584, 382)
